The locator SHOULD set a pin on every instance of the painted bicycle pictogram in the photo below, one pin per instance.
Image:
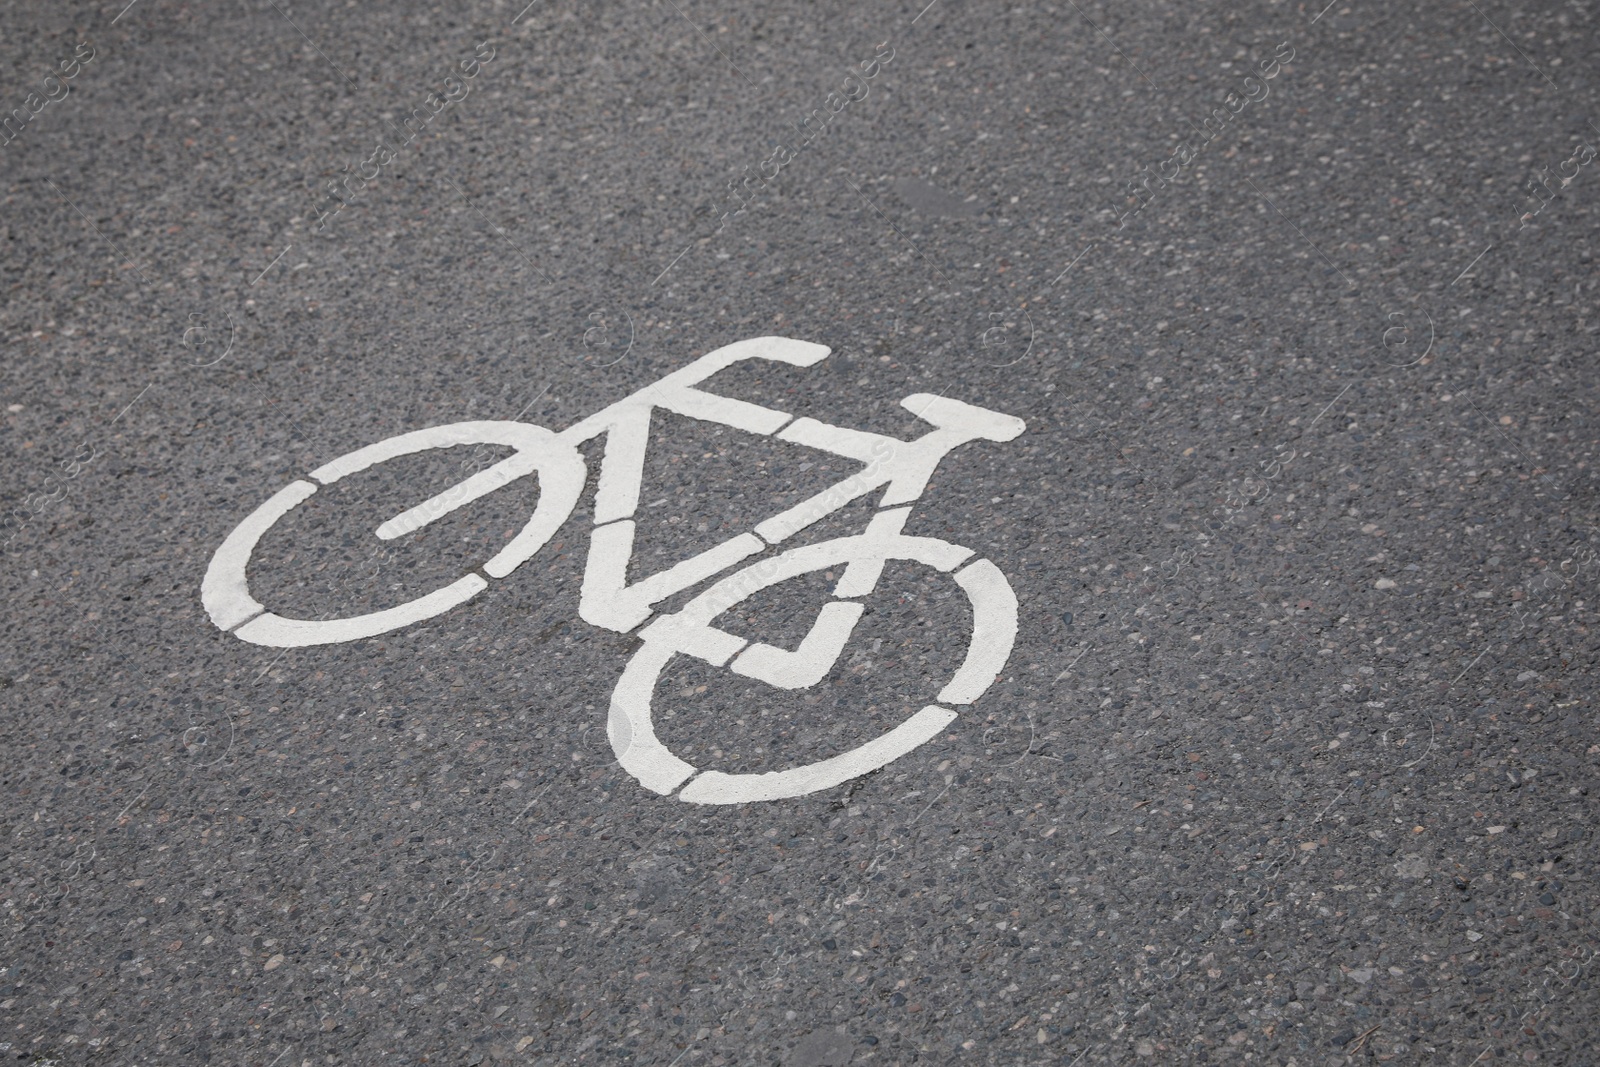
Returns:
(900, 469)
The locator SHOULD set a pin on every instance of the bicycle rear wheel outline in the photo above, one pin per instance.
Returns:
(630, 725)
(562, 473)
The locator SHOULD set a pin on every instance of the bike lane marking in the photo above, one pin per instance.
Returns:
(901, 468)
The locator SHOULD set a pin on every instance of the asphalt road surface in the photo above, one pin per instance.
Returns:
(1131, 600)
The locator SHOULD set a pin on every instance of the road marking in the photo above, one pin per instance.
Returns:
(900, 469)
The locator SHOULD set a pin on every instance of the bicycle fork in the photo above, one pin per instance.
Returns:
(903, 469)
(820, 649)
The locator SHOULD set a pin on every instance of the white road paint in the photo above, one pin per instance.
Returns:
(715, 787)
(993, 632)
(811, 662)
(224, 590)
(901, 469)
(631, 724)
(605, 601)
(279, 632)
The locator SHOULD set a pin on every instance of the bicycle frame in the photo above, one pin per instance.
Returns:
(900, 468)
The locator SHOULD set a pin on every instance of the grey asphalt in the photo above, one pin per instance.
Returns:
(1292, 762)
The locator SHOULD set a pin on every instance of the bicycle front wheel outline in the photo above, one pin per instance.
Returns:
(225, 591)
(631, 726)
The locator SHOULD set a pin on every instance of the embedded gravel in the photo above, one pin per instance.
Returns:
(1292, 761)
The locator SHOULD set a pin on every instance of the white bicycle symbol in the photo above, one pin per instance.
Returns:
(900, 468)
